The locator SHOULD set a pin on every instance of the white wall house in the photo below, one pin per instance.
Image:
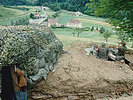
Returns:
(52, 22)
(74, 23)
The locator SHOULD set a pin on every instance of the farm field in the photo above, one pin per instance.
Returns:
(8, 14)
(87, 21)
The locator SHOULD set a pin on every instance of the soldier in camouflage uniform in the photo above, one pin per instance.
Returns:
(121, 51)
(103, 52)
(118, 54)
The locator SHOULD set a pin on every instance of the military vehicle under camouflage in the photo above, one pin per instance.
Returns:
(35, 49)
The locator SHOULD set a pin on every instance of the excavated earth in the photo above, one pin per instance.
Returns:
(81, 77)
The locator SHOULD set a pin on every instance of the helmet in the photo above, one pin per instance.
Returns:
(103, 44)
(123, 43)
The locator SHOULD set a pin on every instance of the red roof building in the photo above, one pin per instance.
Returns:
(52, 22)
(74, 23)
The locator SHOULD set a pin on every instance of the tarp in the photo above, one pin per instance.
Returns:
(91, 50)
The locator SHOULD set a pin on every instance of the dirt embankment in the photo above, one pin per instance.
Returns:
(81, 77)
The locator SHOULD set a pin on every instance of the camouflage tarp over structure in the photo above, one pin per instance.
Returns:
(35, 49)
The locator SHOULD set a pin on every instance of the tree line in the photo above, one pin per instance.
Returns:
(71, 5)
(18, 2)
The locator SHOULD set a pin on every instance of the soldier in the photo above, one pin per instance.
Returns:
(121, 51)
(102, 52)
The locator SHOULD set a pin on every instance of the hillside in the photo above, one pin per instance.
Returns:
(8, 13)
(81, 77)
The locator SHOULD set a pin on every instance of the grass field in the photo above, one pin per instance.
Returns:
(66, 36)
(7, 14)
(87, 21)
(92, 35)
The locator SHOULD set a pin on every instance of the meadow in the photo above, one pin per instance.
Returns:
(87, 21)
(8, 14)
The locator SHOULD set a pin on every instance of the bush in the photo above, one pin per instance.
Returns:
(106, 35)
(102, 30)
(32, 16)
(92, 29)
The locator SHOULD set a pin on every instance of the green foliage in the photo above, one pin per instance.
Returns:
(32, 16)
(55, 6)
(86, 29)
(27, 46)
(122, 36)
(92, 29)
(73, 33)
(53, 27)
(106, 35)
(71, 5)
(97, 28)
(18, 2)
(119, 13)
(23, 21)
(78, 30)
(102, 30)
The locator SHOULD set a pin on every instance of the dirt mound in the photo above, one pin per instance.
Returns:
(81, 77)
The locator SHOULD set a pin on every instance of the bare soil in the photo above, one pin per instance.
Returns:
(81, 77)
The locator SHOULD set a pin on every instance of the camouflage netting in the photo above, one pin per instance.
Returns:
(35, 49)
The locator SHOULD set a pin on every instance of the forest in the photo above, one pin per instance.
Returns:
(72, 5)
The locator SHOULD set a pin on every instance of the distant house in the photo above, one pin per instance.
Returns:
(45, 8)
(45, 23)
(42, 16)
(78, 13)
(52, 22)
(71, 13)
(38, 16)
(74, 23)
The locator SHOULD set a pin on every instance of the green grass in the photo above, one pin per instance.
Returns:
(49, 13)
(63, 19)
(67, 37)
(8, 13)
(87, 21)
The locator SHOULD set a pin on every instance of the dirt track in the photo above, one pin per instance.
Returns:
(81, 77)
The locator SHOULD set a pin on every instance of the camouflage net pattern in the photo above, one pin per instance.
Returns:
(32, 48)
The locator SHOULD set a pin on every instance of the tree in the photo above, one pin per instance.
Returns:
(53, 27)
(78, 30)
(102, 30)
(73, 33)
(32, 16)
(97, 28)
(92, 29)
(106, 35)
(119, 13)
